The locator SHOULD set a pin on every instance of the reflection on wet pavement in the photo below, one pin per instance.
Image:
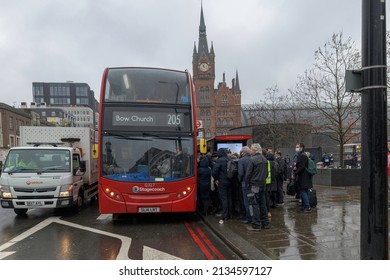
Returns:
(330, 232)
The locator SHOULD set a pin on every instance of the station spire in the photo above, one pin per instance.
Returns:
(203, 49)
(237, 82)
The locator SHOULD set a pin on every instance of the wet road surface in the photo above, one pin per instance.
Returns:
(330, 232)
(43, 235)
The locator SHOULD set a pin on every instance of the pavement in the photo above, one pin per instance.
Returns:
(330, 232)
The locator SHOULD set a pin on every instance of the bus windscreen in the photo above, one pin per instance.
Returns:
(147, 86)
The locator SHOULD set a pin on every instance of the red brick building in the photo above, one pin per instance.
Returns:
(11, 119)
(219, 108)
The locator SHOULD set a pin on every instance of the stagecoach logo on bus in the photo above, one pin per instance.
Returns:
(137, 189)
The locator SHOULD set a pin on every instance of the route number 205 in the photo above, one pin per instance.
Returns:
(174, 119)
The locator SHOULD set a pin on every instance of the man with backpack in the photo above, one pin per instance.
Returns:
(303, 177)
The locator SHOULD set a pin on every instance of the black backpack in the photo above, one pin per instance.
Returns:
(232, 168)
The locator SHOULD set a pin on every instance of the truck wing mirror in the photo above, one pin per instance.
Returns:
(83, 165)
(81, 169)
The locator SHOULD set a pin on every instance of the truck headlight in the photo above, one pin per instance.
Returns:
(66, 190)
(5, 192)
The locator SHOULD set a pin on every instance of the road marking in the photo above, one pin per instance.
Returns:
(154, 254)
(104, 217)
(6, 254)
(148, 253)
(197, 240)
(208, 242)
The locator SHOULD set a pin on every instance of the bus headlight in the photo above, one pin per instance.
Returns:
(66, 190)
(5, 192)
(111, 192)
(184, 192)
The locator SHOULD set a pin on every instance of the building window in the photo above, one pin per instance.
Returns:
(11, 141)
(218, 122)
(208, 122)
(59, 100)
(231, 123)
(39, 100)
(83, 101)
(11, 123)
(37, 90)
(208, 133)
(225, 100)
(82, 91)
(59, 90)
(204, 96)
(224, 122)
(19, 123)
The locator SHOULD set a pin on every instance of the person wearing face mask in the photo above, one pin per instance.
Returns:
(303, 178)
(294, 162)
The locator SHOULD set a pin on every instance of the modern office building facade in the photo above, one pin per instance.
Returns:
(75, 99)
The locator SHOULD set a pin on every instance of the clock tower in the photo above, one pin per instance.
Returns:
(218, 109)
(203, 69)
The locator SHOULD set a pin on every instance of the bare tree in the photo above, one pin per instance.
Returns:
(323, 88)
(278, 121)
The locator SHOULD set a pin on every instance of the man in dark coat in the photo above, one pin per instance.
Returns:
(281, 176)
(304, 178)
(204, 184)
(242, 165)
(223, 184)
(255, 177)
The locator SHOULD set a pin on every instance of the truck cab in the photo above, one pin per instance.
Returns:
(42, 177)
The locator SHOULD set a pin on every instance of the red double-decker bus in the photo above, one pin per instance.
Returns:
(147, 141)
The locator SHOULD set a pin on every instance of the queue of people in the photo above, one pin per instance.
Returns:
(256, 188)
(251, 194)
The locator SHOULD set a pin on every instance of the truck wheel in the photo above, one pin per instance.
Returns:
(20, 211)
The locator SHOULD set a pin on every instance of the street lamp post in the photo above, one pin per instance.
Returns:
(374, 212)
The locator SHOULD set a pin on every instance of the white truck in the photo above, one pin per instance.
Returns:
(55, 167)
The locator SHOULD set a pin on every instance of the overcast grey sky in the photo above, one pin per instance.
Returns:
(270, 42)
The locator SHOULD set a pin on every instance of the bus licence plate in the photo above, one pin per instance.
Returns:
(34, 203)
(148, 209)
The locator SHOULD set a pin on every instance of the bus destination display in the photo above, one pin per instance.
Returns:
(163, 119)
